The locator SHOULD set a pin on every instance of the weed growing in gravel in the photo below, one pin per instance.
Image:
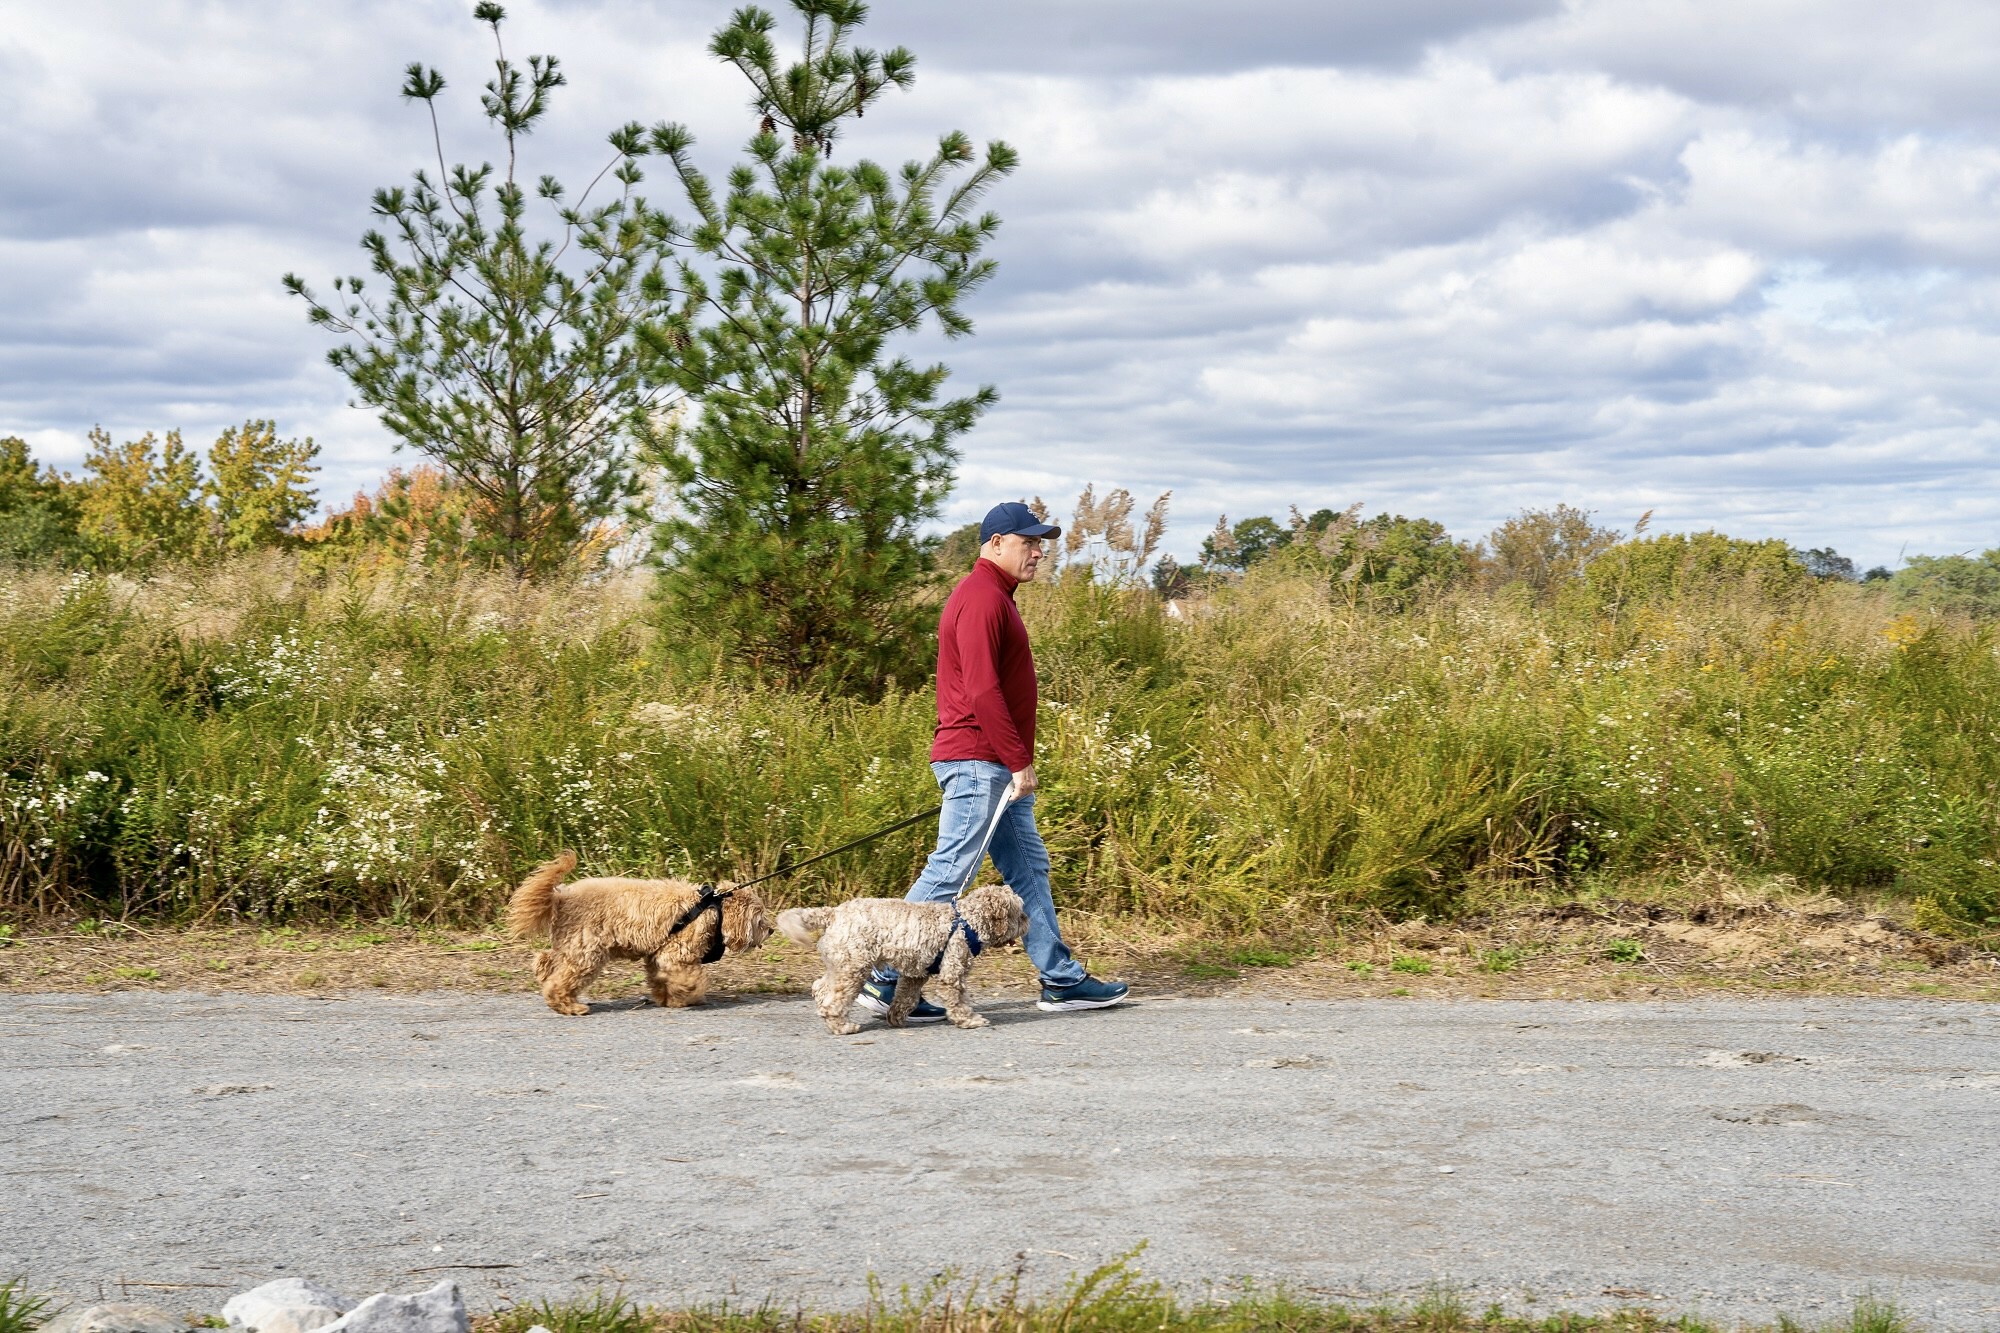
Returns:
(1870, 1316)
(20, 1311)
(1500, 960)
(1114, 1299)
(1625, 951)
(1410, 963)
(1262, 956)
(600, 1314)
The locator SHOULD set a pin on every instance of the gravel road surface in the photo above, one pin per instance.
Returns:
(1732, 1157)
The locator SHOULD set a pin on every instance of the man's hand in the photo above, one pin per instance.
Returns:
(1024, 782)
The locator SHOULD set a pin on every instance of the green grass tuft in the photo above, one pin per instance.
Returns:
(21, 1312)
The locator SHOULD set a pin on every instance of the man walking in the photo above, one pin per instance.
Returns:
(984, 759)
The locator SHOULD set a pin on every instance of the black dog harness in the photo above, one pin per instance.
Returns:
(706, 900)
(972, 940)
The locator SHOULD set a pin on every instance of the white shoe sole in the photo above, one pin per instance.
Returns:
(1065, 1006)
(875, 1008)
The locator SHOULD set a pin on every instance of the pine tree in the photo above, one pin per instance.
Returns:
(801, 480)
(513, 362)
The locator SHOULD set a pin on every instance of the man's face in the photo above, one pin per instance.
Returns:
(1019, 556)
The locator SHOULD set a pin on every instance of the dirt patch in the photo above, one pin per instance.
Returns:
(1606, 950)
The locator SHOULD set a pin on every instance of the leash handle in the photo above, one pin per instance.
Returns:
(992, 827)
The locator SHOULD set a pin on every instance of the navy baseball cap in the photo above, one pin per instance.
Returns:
(1013, 516)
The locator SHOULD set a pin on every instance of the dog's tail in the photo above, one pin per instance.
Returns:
(532, 910)
(804, 925)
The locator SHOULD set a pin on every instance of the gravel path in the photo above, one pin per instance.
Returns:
(1733, 1157)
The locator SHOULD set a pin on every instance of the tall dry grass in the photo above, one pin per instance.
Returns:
(267, 741)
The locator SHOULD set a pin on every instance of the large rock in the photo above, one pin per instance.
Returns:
(289, 1305)
(438, 1310)
(116, 1317)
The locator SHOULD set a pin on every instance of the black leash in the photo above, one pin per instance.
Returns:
(709, 899)
(844, 847)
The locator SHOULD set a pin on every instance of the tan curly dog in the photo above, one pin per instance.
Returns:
(593, 921)
(864, 933)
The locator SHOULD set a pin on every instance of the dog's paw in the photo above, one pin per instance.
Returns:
(843, 1028)
(573, 1010)
(973, 1022)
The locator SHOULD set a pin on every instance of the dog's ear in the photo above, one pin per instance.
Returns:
(1017, 914)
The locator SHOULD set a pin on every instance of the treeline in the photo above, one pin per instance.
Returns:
(1560, 551)
(149, 500)
(154, 500)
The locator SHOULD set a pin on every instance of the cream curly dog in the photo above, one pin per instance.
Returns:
(864, 933)
(595, 920)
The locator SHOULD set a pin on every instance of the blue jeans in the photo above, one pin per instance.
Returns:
(972, 789)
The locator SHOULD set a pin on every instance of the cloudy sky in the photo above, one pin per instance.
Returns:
(1733, 261)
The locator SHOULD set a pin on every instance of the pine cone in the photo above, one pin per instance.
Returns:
(767, 126)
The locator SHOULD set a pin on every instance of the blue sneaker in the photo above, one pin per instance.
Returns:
(1090, 993)
(875, 996)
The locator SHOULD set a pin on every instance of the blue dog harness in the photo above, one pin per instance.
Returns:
(972, 940)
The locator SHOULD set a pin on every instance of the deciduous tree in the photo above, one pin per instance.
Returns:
(1244, 544)
(38, 510)
(141, 500)
(1545, 549)
(258, 485)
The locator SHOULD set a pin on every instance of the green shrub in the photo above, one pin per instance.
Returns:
(1953, 892)
(1699, 564)
(1950, 584)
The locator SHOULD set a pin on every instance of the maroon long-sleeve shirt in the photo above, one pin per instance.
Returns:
(986, 673)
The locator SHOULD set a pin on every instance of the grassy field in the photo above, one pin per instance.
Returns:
(261, 742)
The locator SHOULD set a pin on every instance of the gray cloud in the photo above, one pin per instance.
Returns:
(1732, 263)
(1125, 38)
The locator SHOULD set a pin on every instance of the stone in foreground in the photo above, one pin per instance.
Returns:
(438, 1310)
(288, 1305)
